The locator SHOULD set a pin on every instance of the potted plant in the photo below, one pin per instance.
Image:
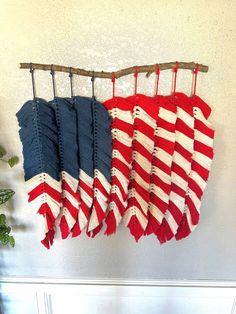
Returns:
(5, 194)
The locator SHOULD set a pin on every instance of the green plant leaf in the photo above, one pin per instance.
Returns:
(12, 241)
(2, 219)
(5, 195)
(13, 161)
(3, 229)
(4, 238)
(2, 151)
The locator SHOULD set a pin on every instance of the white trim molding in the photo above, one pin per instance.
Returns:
(116, 296)
(119, 282)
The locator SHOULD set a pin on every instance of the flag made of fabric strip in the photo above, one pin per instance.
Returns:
(145, 114)
(180, 169)
(102, 156)
(38, 134)
(66, 120)
(164, 144)
(121, 111)
(200, 166)
(83, 107)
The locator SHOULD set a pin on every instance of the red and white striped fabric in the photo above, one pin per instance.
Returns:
(180, 169)
(161, 163)
(85, 190)
(145, 117)
(70, 204)
(102, 165)
(101, 188)
(45, 199)
(200, 167)
(121, 111)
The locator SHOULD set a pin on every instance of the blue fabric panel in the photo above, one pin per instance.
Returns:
(65, 134)
(102, 139)
(83, 108)
(66, 119)
(38, 134)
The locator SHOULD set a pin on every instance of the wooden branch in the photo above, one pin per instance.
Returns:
(148, 69)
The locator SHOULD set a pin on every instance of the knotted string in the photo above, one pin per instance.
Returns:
(135, 80)
(175, 74)
(71, 83)
(157, 78)
(113, 79)
(52, 72)
(92, 80)
(195, 79)
(33, 83)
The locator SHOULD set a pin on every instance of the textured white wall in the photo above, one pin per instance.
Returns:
(110, 35)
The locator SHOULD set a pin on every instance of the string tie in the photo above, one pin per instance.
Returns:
(195, 78)
(71, 83)
(33, 82)
(157, 77)
(92, 80)
(113, 79)
(175, 70)
(135, 80)
(53, 81)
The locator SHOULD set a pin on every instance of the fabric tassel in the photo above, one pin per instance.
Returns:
(38, 134)
(66, 119)
(122, 133)
(180, 169)
(161, 163)
(102, 164)
(145, 116)
(200, 167)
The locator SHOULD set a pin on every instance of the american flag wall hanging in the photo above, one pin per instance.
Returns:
(138, 160)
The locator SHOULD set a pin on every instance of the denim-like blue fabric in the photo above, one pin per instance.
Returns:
(65, 134)
(66, 121)
(83, 107)
(102, 138)
(39, 137)
(94, 135)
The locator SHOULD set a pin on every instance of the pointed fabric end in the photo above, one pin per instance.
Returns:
(152, 226)
(148, 230)
(75, 231)
(111, 223)
(45, 242)
(98, 209)
(95, 231)
(48, 240)
(45, 210)
(160, 235)
(64, 228)
(88, 233)
(183, 230)
(194, 213)
(164, 233)
(135, 228)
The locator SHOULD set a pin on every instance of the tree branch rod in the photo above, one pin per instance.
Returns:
(148, 69)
